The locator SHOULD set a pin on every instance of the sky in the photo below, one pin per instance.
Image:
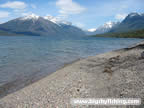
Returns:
(85, 14)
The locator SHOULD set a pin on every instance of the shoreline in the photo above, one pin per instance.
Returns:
(112, 74)
(11, 87)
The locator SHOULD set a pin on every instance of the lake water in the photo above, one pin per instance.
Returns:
(33, 57)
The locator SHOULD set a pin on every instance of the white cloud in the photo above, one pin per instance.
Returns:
(68, 7)
(120, 16)
(80, 25)
(14, 5)
(4, 14)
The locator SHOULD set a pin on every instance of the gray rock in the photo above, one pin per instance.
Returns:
(142, 55)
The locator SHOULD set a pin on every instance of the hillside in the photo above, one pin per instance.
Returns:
(39, 26)
(134, 21)
(6, 33)
(103, 29)
(132, 34)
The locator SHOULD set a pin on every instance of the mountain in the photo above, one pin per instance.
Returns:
(92, 30)
(106, 27)
(40, 26)
(133, 21)
(57, 21)
(103, 29)
(131, 27)
(67, 27)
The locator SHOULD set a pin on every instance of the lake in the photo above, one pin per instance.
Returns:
(29, 58)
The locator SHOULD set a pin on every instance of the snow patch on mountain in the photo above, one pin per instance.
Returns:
(102, 29)
(133, 14)
(52, 19)
(32, 16)
(92, 30)
(108, 25)
(57, 20)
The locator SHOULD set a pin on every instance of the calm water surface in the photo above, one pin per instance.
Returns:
(33, 57)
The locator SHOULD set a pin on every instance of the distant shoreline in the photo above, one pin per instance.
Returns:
(130, 34)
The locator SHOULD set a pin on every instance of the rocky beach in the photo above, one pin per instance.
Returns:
(116, 74)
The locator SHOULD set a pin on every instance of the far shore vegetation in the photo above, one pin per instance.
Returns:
(130, 34)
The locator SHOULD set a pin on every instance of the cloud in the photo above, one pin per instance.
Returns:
(14, 5)
(120, 16)
(4, 14)
(113, 7)
(68, 7)
(80, 25)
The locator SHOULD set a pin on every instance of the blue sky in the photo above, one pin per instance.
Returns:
(83, 13)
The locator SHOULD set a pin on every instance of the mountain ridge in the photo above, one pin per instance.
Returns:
(133, 21)
(39, 26)
(102, 29)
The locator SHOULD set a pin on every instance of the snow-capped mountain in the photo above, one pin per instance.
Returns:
(133, 21)
(103, 29)
(57, 20)
(106, 27)
(32, 16)
(92, 30)
(36, 25)
(133, 15)
(52, 19)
